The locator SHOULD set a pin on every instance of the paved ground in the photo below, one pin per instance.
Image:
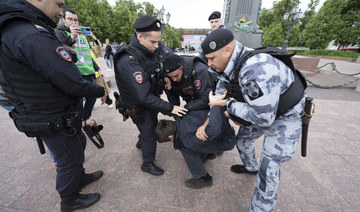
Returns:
(328, 179)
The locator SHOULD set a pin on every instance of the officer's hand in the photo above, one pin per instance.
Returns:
(229, 117)
(179, 111)
(89, 122)
(75, 31)
(103, 99)
(217, 99)
(167, 83)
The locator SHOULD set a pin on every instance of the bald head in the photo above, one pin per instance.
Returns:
(51, 8)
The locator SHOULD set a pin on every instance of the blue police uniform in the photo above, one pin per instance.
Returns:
(221, 137)
(57, 88)
(139, 87)
(194, 87)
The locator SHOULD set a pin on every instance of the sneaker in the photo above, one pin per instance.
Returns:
(110, 106)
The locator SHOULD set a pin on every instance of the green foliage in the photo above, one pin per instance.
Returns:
(117, 22)
(336, 20)
(328, 53)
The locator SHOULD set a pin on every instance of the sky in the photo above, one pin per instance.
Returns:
(194, 13)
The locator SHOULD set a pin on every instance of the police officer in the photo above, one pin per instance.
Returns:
(215, 23)
(187, 76)
(138, 77)
(221, 137)
(44, 85)
(261, 82)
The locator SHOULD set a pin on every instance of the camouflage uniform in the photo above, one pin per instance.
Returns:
(262, 79)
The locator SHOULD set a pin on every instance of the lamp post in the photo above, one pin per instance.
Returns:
(295, 14)
(160, 16)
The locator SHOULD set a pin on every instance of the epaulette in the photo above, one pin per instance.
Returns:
(40, 28)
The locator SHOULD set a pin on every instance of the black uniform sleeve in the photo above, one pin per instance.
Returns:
(139, 88)
(64, 38)
(202, 86)
(173, 98)
(40, 50)
(216, 119)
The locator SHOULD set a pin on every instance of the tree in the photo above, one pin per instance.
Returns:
(336, 20)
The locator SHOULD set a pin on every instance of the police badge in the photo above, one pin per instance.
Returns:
(63, 53)
(212, 45)
(138, 76)
(253, 90)
(197, 84)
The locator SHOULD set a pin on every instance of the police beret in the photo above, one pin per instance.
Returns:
(172, 63)
(147, 23)
(217, 39)
(214, 15)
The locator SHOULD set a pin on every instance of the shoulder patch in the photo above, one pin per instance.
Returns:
(253, 90)
(197, 84)
(138, 76)
(63, 53)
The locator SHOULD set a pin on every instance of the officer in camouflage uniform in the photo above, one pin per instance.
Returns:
(262, 79)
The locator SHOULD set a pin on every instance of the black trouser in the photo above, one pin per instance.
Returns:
(146, 128)
(69, 154)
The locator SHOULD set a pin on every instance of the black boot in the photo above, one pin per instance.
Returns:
(198, 183)
(138, 144)
(152, 168)
(78, 201)
(90, 178)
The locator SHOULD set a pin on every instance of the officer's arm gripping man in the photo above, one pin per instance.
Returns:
(139, 88)
(48, 58)
(265, 71)
(202, 86)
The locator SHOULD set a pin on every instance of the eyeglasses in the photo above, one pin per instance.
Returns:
(72, 19)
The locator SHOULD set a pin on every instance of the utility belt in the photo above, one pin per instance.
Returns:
(68, 123)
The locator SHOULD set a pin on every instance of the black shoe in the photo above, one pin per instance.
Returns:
(78, 201)
(210, 156)
(90, 178)
(199, 182)
(152, 168)
(240, 169)
(138, 144)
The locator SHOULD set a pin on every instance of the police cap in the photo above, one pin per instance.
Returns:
(172, 63)
(214, 15)
(147, 23)
(216, 40)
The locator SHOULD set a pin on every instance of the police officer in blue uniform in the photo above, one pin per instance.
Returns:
(40, 79)
(139, 80)
(220, 137)
(189, 78)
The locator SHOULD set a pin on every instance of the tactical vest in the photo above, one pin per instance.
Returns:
(289, 98)
(186, 88)
(82, 48)
(22, 85)
(150, 65)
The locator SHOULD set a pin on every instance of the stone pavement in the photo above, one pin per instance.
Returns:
(328, 179)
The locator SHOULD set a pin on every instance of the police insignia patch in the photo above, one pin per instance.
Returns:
(197, 84)
(212, 45)
(138, 76)
(63, 53)
(253, 90)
